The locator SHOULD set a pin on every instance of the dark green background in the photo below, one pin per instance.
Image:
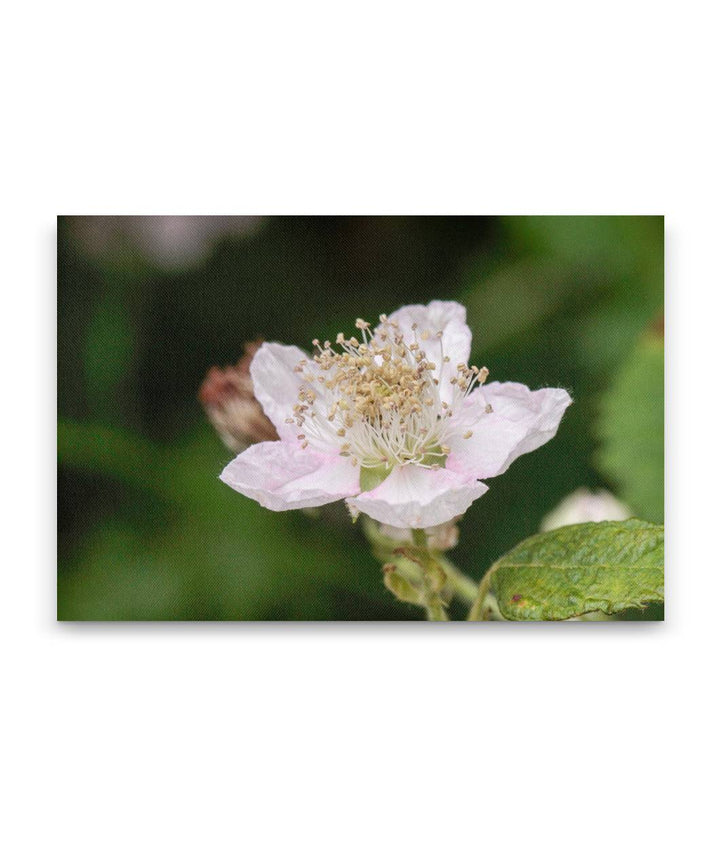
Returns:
(146, 531)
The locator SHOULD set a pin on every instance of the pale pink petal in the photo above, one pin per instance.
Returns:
(276, 385)
(520, 422)
(417, 497)
(281, 475)
(444, 316)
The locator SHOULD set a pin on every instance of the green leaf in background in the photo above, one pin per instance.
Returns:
(630, 428)
(518, 297)
(606, 567)
(592, 283)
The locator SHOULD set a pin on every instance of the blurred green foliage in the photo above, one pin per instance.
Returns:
(145, 528)
(631, 429)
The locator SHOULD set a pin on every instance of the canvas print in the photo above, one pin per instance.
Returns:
(360, 418)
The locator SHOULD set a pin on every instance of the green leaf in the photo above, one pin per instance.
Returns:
(631, 430)
(606, 567)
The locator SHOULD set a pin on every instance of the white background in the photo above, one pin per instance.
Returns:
(187, 739)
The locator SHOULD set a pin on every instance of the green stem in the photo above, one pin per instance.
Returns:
(419, 537)
(465, 587)
(434, 607)
(477, 612)
(435, 610)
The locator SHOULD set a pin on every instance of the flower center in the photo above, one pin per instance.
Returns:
(381, 400)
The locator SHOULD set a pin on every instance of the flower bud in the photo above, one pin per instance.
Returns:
(229, 400)
(585, 506)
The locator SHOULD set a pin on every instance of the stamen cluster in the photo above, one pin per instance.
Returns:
(380, 398)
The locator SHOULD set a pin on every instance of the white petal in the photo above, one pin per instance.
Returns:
(282, 475)
(520, 422)
(439, 315)
(417, 497)
(276, 384)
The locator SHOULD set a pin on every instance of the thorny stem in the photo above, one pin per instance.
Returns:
(429, 572)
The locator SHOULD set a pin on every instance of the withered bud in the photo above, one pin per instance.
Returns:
(229, 400)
